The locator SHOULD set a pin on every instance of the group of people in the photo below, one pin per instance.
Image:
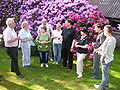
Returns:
(58, 40)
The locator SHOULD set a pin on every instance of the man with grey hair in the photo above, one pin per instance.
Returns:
(11, 44)
(49, 27)
(49, 31)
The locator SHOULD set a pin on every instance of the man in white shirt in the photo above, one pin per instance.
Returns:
(49, 27)
(11, 43)
(106, 51)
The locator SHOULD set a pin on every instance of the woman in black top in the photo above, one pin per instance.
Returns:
(81, 47)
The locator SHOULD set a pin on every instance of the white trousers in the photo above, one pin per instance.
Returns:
(26, 55)
(80, 63)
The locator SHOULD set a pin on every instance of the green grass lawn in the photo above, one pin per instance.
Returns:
(53, 78)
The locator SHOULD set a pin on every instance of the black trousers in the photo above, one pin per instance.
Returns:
(67, 56)
(13, 53)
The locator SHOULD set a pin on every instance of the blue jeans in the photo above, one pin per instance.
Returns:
(57, 51)
(96, 64)
(105, 74)
(43, 56)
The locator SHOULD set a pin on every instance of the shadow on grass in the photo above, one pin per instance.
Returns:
(12, 86)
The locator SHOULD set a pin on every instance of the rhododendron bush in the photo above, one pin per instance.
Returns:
(80, 12)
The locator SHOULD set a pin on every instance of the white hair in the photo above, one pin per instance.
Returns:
(9, 21)
(24, 23)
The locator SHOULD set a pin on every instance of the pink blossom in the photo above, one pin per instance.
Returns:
(71, 18)
(90, 44)
(77, 30)
(75, 24)
(79, 21)
(89, 49)
(90, 33)
(63, 25)
(91, 56)
(75, 54)
(114, 28)
(91, 29)
(88, 37)
(95, 36)
(72, 15)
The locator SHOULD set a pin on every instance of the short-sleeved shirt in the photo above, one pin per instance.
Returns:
(9, 34)
(82, 41)
(57, 36)
(25, 34)
(48, 26)
(68, 36)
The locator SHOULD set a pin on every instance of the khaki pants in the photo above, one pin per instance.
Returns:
(80, 63)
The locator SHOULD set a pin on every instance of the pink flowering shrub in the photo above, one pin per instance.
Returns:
(87, 21)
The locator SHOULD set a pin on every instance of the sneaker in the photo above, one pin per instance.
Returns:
(79, 76)
(68, 69)
(51, 59)
(98, 86)
(56, 63)
(94, 77)
(62, 66)
(42, 65)
(1, 75)
(21, 76)
(46, 65)
(106, 86)
(27, 66)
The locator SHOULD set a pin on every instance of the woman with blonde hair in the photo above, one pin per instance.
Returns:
(57, 43)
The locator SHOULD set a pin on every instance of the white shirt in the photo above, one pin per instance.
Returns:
(82, 37)
(9, 34)
(57, 37)
(108, 48)
(48, 26)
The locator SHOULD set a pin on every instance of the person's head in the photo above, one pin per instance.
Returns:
(44, 21)
(84, 32)
(107, 30)
(10, 22)
(43, 29)
(58, 26)
(98, 27)
(68, 23)
(25, 25)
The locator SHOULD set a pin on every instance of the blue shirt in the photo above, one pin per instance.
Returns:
(24, 34)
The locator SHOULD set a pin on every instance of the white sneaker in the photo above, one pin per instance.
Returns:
(56, 62)
(79, 76)
(42, 65)
(51, 59)
(46, 65)
(96, 86)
